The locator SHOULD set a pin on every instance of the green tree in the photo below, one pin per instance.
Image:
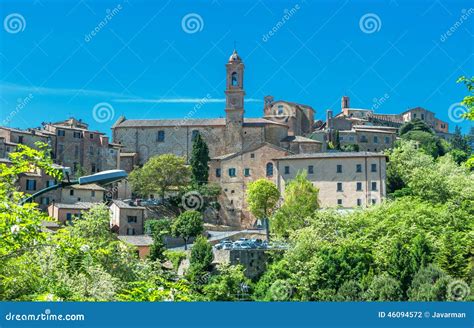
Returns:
(403, 160)
(158, 248)
(160, 226)
(458, 141)
(384, 288)
(427, 141)
(301, 201)
(350, 291)
(20, 225)
(415, 125)
(262, 197)
(454, 256)
(200, 261)
(429, 284)
(159, 175)
(186, 225)
(468, 101)
(228, 285)
(199, 161)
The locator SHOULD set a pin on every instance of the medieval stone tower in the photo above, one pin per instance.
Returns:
(234, 108)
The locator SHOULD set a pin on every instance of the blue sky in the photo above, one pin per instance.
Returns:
(146, 62)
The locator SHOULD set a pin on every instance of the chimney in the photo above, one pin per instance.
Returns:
(345, 102)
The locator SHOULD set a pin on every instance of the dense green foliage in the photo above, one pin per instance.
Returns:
(159, 175)
(186, 225)
(262, 197)
(301, 200)
(416, 245)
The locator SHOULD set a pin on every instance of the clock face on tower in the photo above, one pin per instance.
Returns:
(234, 102)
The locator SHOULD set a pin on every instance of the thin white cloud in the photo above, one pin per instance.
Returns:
(178, 100)
(6, 87)
(16, 88)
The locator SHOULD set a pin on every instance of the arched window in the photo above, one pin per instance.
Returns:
(269, 169)
(234, 79)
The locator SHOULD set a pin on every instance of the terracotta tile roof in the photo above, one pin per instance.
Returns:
(77, 205)
(299, 139)
(190, 122)
(92, 186)
(137, 240)
(122, 204)
(333, 155)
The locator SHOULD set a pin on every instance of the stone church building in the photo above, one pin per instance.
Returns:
(242, 149)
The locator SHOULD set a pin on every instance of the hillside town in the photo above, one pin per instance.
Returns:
(343, 156)
(216, 208)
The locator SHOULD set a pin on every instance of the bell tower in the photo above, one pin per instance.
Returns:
(234, 108)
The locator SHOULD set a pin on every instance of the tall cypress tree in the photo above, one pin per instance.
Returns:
(199, 161)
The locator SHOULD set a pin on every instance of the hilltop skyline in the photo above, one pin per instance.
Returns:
(150, 61)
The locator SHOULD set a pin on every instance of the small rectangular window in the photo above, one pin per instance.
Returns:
(71, 192)
(252, 155)
(232, 172)
(339, 168)
(91, 136)
(130, 231)
(387, 140)
(373, 167)
(359, 186)
(30, 184)
(339, 202)
(359, 168)
(287, 170)
(247, 172)
(376, 139)
(20, 139)
(92, 193)
(374, 186)
(339, 186)
(44, 200)
(359, 202)
(131, 219)
(77, 135)
(160, 137)
(310, 169)
(374, 201)
(61, 133)
(218, 173)
(194, 134)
